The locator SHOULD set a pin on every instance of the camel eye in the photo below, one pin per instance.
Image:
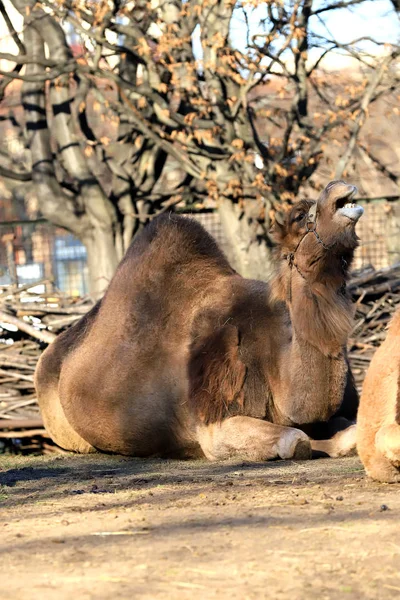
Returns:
(299, 218)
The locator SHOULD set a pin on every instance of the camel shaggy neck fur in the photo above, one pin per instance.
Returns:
(184, 357)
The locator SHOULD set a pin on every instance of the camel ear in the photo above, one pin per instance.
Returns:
(278, 228)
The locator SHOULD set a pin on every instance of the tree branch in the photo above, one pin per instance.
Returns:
(11, 29)
(359, 121)
(16, 175)
(336, 5)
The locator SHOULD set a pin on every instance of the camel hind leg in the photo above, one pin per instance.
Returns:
(58, 427)
(54, 419)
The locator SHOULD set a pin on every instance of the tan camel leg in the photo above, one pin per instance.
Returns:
(343, 443)
(252, 439)
(387, 442)
(375, 448)
(378, 467)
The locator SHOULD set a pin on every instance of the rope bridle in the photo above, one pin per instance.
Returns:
(311, 226)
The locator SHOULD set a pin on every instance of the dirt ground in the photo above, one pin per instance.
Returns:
(101, 527)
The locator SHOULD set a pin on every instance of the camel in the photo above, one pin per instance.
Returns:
(183, 357)
(378, 421)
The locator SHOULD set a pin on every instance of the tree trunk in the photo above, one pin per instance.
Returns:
(101, 259)
(249, 255)
(88, 214)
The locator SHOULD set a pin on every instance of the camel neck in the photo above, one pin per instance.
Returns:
(315, 382)
(321, 313)
(313, 366)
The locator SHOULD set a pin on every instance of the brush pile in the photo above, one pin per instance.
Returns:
(29, 321)
(377, 295)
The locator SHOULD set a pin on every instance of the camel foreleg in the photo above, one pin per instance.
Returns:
(343, 443)
(387, 442)
(380, 453)
(252, 439)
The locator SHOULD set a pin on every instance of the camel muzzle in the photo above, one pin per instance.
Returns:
(352, 211)
(345, 205)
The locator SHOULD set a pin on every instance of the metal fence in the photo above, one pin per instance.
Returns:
(35, 250)
(379, 233)
(31, 251)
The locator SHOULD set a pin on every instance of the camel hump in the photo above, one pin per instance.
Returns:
(171, 238)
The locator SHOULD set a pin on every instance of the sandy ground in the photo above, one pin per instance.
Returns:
(102, 527)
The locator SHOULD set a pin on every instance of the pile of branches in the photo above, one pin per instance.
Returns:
(30, 321)
(377, 295)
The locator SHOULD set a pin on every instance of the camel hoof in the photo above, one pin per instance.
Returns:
(302, 450)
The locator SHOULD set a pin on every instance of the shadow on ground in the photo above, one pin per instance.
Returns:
(105, 474)
(102, 526)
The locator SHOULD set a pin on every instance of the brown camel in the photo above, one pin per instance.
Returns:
(378, 423)
(184, 357)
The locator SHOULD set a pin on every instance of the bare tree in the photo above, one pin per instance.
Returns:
(186, 111)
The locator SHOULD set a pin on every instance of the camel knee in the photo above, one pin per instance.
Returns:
(295, 444)
(379, 468)
(375, 450)
(387, 441)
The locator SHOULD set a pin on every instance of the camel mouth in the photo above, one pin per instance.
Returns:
(346, 207)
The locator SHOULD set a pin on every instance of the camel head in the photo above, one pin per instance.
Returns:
(337, 215)
(315, 246)
(332, 217)
(318, 238)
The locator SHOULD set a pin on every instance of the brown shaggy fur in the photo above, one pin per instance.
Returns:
(378, 426)
(183, 356)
